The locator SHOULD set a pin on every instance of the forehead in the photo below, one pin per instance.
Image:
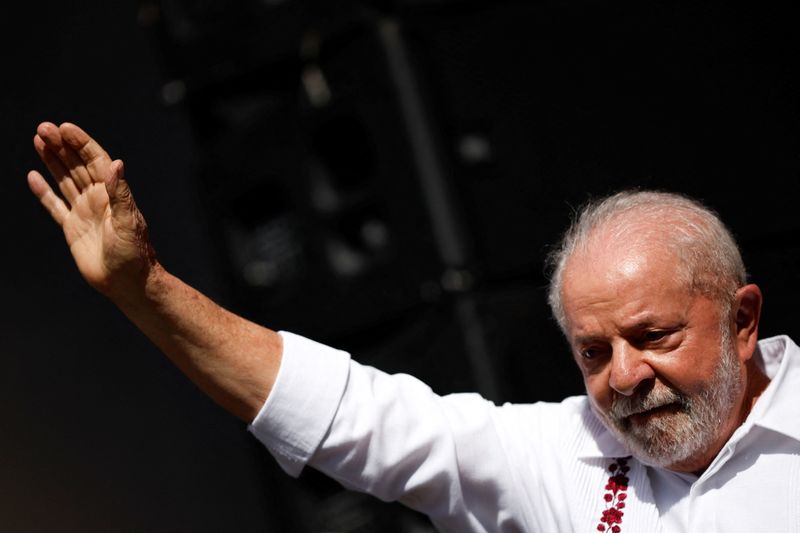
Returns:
(622, 280)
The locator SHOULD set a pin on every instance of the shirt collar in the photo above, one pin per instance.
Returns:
(777, 408)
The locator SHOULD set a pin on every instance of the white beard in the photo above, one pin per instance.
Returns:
(689, 426)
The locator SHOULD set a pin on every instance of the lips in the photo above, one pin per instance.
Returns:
(668, 408)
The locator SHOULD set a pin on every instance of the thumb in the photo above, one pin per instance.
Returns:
(119, 194)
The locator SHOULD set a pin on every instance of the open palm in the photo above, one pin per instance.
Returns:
(106, 233)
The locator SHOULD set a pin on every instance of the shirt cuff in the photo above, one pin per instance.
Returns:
(301, 406)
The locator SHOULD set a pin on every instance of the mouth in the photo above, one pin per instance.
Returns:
(662, 410)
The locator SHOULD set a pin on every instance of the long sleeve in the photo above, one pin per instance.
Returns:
(390, 436)
(304, 399)
(397, 440)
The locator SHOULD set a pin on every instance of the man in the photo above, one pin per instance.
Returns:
(689, 423)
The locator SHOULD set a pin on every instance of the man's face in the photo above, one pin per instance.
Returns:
(660, 369)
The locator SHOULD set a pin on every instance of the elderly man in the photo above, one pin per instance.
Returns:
(689, 423)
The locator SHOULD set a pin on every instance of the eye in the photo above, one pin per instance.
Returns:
(655, 335)
(592, 352)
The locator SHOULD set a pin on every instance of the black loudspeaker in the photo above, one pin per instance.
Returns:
(311, 187)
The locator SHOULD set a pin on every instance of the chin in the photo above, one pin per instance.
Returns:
(664, 439)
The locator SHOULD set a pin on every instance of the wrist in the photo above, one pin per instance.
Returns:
(136, 289)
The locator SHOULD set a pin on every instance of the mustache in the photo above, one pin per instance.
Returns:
(625, 406)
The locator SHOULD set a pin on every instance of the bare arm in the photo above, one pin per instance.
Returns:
(231, 359)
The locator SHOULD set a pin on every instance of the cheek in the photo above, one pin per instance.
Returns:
(691, 370)
(599, 391)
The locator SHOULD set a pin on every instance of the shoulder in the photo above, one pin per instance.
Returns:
(549, 424)
(569, 409)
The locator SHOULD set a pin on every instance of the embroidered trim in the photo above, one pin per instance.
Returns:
(615, 496)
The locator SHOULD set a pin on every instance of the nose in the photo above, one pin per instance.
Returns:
(629, 368)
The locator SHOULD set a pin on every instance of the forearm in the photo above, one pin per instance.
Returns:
(231, 359)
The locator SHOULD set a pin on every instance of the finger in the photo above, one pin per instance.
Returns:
(119, 194)
(96, 160)
(49, 199)
(51, 135)
(57, 170)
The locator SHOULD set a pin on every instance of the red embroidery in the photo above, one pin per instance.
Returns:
(615, 496)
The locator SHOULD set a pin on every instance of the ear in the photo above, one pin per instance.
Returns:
(746, 313)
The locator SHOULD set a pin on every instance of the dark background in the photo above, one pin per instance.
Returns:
(384, 176)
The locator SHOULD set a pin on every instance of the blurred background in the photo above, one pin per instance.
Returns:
(384, 176)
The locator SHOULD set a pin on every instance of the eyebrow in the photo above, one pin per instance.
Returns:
(646, 322)
(588, 339)
(643, 323)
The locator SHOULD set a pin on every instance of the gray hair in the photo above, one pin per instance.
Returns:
(709, 259)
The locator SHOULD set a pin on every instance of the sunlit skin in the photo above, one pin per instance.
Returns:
(633, 326)
(233, 360)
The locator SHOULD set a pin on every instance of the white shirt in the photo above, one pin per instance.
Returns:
(542, 467)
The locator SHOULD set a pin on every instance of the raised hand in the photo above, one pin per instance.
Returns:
(104, 229)
(232, 359)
